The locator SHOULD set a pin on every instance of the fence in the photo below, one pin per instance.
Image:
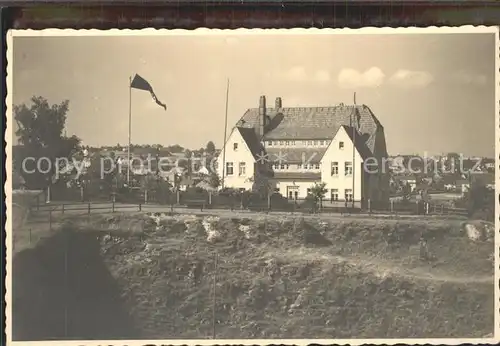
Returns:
(275, 203)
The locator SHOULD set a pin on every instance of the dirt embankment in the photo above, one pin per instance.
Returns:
(275, 278)
(62, 289)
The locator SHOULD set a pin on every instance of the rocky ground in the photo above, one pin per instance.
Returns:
(287, 277)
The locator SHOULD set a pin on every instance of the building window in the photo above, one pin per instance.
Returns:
(321, 142)
(335, 168)
(316, 166)
(341, 145)
(348, 168)
(292, 142)
(276, 166)
(229, 168)
(281, 142)
(348, 195)
(235, 146)
(334, 194)
(309, 142)
(299, 166)
(287, 142)
(270, 143)
(242, 169)
(282, 166)
(315, 142)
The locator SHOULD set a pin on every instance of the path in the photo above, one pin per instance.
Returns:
(379, 267)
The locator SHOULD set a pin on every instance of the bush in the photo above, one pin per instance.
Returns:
(479, 202)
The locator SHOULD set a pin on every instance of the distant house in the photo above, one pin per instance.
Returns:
(484, 179)
(400, 180)
(291, 149)
(203, 171)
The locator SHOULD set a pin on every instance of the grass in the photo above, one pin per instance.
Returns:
(283, 277)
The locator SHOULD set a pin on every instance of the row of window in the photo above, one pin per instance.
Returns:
(242, 169)
(299, 166)
(292, 143)
(334, 168)
(334, 194)
(300, 143)
(347, 168)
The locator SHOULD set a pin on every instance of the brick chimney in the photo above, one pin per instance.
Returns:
(277, 103)
(262, 115)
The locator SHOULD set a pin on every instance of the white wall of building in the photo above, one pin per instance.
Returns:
(300, 186)
(341, 182)
(241, 154)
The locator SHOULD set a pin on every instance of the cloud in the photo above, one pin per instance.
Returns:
(464, 77)
(411, 79)
(350, 78)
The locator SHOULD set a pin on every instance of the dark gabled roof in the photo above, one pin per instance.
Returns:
(250, 137)
(358, 141)
(316, 122)
(297, 175)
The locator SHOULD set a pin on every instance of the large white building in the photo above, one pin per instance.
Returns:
(291, 149)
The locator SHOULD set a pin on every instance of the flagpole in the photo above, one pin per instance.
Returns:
(353, 150)
(129, 128)
(224, 142)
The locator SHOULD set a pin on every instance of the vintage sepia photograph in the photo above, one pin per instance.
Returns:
(252, 186)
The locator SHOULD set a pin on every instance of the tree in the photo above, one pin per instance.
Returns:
(214, 180)
(210, 148)
(175, 148)
(318, 192)
(40, 131)
(406, 191)
(480, 202)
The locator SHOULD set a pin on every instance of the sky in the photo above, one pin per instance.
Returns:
(433, 93)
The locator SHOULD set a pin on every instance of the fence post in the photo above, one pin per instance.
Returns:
(50, 219)
(210, 197)
(88, 208)
(113, 205)
(178, 194)
(140, 207)
(369, 206)
(62, 208)
(392, 206)
(268, 202)
(145, 196)
(30, 236)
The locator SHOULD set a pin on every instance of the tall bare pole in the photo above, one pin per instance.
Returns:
(353, 124)
(129, 128)
(224, 142)
(214, 295)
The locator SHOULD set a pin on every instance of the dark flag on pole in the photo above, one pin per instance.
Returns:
(140, 83)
